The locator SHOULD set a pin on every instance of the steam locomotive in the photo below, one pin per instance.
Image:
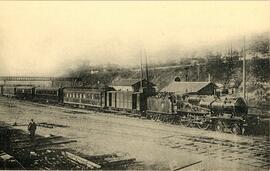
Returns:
(218, 113)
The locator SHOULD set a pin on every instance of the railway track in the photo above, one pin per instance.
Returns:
(227, 150)
(76, 110)
(247, 150)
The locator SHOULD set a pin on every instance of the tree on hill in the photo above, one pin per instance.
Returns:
(260, 69)
(260, 44)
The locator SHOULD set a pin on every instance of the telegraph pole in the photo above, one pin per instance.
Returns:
(141, 70)
(244, 69)
(146, 66)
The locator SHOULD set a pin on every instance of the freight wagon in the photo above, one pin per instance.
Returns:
(126, 100)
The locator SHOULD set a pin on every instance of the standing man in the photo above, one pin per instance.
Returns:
(32, 129)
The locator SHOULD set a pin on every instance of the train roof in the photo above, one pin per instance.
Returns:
(89, 88)
(47, 88)
(25, 87)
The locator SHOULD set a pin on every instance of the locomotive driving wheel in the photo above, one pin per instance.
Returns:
(236, 129)
(203, 125)
(186, 121)
(219, 126)
(156, 117)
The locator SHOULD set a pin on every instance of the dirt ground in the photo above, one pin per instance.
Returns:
(154, 145)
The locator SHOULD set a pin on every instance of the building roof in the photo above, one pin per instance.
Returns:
(185, 87)
(125, 82)
(128, 82)
(234, 83)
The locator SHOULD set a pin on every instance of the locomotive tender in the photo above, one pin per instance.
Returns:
(219, 113)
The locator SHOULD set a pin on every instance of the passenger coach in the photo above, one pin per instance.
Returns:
(9, 91)
(85, 97)
(25, 92)
(49, 94)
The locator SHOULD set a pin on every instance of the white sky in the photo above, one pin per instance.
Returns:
(45, 38)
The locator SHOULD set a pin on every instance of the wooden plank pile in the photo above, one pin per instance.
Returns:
(51, 153)
(8, 162)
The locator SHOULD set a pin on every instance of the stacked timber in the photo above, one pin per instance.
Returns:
(49, 153)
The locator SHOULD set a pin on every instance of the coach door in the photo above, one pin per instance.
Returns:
(110, 99)
(134, 101)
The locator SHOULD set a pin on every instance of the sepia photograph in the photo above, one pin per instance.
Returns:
(135, 85)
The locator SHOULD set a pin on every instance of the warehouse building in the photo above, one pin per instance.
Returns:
(133, 85)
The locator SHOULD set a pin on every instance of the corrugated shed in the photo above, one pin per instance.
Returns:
(185, 87)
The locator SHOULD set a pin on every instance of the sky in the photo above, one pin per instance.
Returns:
(48, 38)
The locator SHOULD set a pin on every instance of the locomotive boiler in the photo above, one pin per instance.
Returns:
(219, 113)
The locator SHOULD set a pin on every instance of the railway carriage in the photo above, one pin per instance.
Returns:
(25, 92)
(85, 97)
(9, 91)
(49, 94)
(1, 90)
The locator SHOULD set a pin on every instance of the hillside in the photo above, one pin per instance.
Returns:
(221, 65)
